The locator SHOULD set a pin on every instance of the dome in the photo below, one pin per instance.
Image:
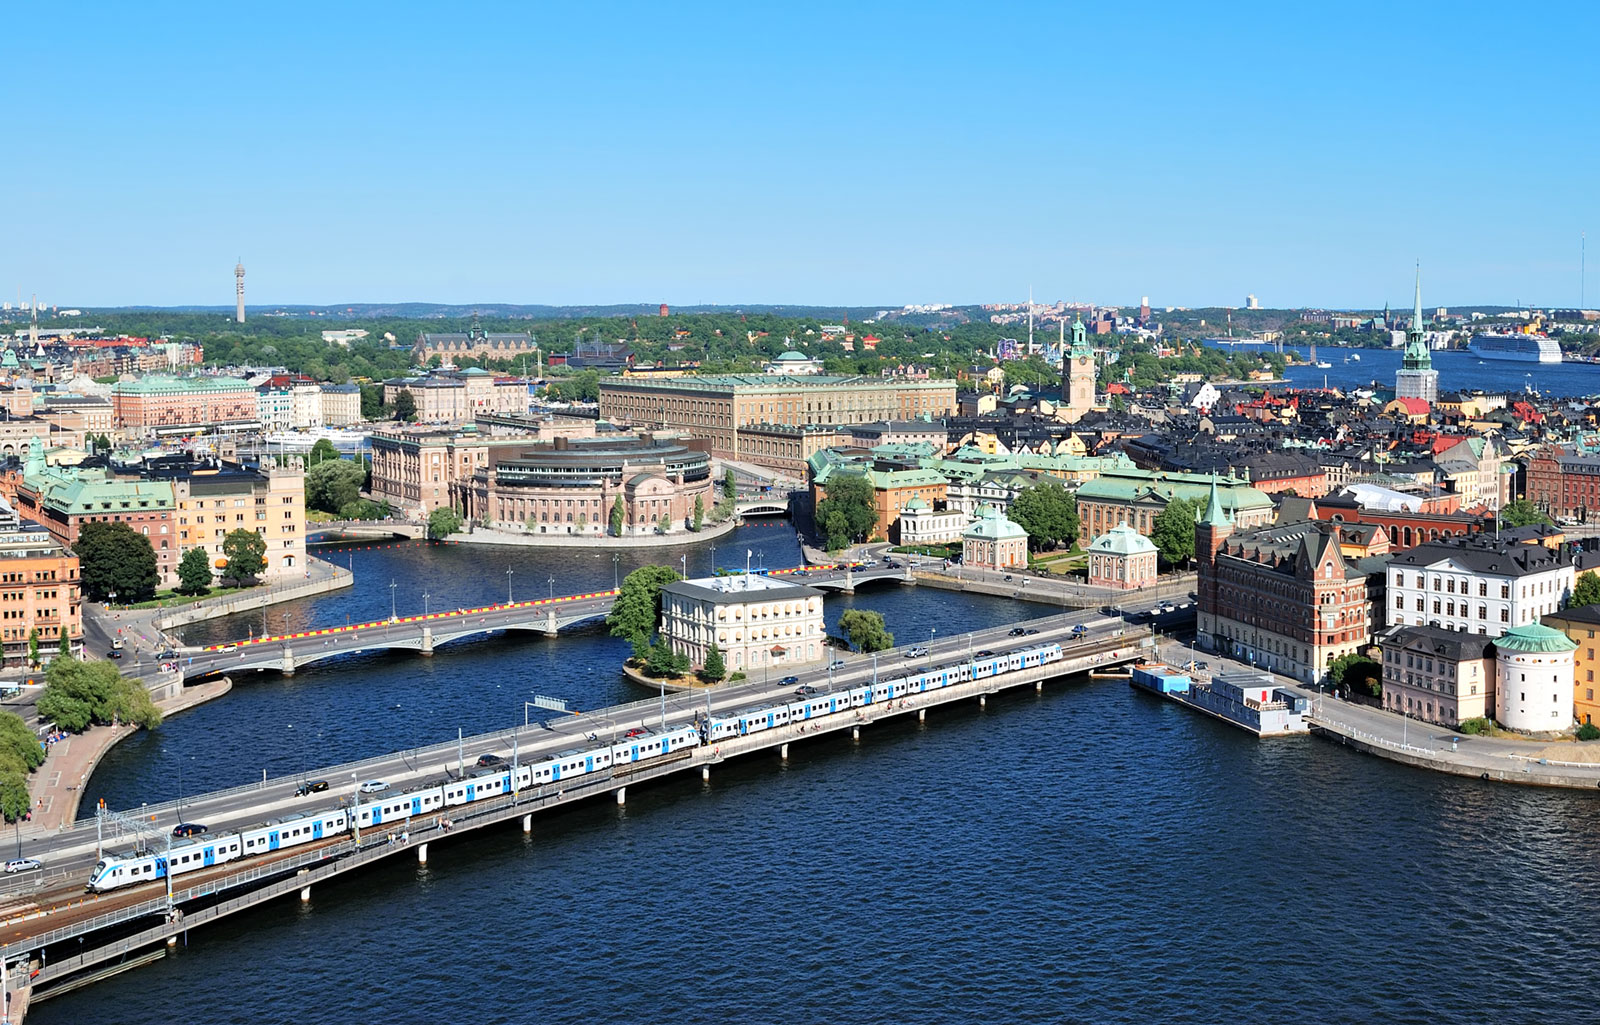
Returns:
(791, 356)
(1534, 638)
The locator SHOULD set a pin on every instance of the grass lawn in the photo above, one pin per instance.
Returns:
(167, 599)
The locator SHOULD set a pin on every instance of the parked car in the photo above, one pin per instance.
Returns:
(1008, 577)
(374, 786)
(23, 865)
(314, 786)
(189, 829)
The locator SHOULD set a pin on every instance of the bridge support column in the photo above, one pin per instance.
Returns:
(288, 661)
(550, 628)
(783, 751)
(422, 854)
(849, 582)
(305, 895)
(172, 941)
(527, 824)
(922, 715)
(983, 701)
(427, 641)
(855, 733)
(705, 773)
(622, 795)
(1038, 686)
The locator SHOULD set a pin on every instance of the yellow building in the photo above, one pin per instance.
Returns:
(1581, 624)
(216, 499)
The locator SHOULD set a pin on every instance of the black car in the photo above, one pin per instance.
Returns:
(1017, 631)
(789, 680)
(315, 786)
(166, 656)
(114, 653)
(1030, 630)
(188, 829)
(805, 690)
(485, 761)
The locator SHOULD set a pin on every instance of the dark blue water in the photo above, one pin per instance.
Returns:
(1458, 370)
(1089, 855)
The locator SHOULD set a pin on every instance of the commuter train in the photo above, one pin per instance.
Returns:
(194, 853)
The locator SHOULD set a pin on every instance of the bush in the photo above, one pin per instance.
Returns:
(1589, 731)
(1473, 727)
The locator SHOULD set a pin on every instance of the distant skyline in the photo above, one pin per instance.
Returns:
(830, 154)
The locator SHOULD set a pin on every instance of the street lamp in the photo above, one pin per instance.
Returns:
(713, 559)
(552, 582)
(392, 615)
(425, 597)
(616, 572)
(508, 587)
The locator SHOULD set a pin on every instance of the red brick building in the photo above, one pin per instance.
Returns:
(1565, 485)
(1405, 529)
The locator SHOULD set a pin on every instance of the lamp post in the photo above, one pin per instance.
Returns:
(355, 809)
(425, 597)
(616, 572)
(508, 587)
(552, 582)
(713, 559)
(931, 631)
(392, 614)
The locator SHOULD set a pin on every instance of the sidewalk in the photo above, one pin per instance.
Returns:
(56, 787)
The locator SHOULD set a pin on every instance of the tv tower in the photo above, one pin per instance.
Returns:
(238, 291)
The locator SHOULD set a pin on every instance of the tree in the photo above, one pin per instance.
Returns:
(638, 605)
(663, 524)
(617, 516)
(18, 743)
(1523, 513)
(77, 694)
(848, 512)
(1355, 672)
(113, 557)
(33, 646)
(1048, 512)
(1173, 531)
(699, 512)
(194, 572)
(730, 486)
(372, 407)
(321, 452)
(405, 405)
(443, 522)
(246, 552)
(1586, 591)
(865, 630)
(64, 645)
(714, 669)
(332, 485)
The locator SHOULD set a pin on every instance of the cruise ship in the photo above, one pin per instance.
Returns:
(1522, 348)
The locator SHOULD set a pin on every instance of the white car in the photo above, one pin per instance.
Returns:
(374, 786)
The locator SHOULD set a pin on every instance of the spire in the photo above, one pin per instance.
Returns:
(1416, 310)
(1416, 355)
(1214, 516)
(1080, 341)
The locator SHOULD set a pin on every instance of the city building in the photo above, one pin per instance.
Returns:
(794, 363)
(175, 405)
(215, 498)
(1286, 598)
(1580, 624)
(1123, 558)
(932, 433)
(1438, 675)
(570, 485)
(1137, 497)
(1478, 584)
(715, 408)
(38, 589)
(1565, 484)
(759, 623)
(1416, 378)
(420, 469)
(1078, 375)
(787, 448)
(473, 342)
(1533, 664)
(922, 524)
(458, 396)
(341, 405)
(994, 542)
(894, 485)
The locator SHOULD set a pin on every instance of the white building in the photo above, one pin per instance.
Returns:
(306, 406)
(794, 363)
(758, 622)
(1477, 584)
(275, 409)
(921, 524)
(1533, 692)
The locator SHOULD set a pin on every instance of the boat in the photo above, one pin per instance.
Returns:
(1518, 347)
(1356, 356)
(1319, 364)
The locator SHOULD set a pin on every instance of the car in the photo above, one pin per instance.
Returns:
(485, 761)
(1008, 577)
(23, 865)
(917, 652)
(891, 564)
(166, 656)
(837, 663)
(189, 829)
(637, 731)
(802, 573)
(373, 786)
(314, 786)
(805, 690)
(1030, 630)
(985, 653)
(1018, 631)
(1079, 630)
(229, 647)
(789, 681)
(113, 653)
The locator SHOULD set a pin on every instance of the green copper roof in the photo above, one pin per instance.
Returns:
(993, 525)
(1214, 516)
(160, 384)
(1416, 355)
(1534, 638)
(1122, 540)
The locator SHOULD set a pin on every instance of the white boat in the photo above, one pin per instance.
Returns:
(1356, 356)
(1520, 348)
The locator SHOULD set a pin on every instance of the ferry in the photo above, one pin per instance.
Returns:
(1521, 348)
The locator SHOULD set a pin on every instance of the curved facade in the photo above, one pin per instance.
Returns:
(1534, 691)
(570, 486)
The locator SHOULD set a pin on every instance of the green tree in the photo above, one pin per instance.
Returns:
(663, 524)
(322, 451)
(714, 669)
(372, 407)
(64, 645)
(699, 512)
(730, 485)
(14, 799)
(332, 485)
(1586, 591)
(638, 605)
(1356, 672)
(33, 646)
(194, 572)
(617, 516)
(443, 522)
(78, 694)
(1048, 512)
(865, 630)
(405, 405)
(246, 552)
(113, 557)
(1173, 531)
(1523, 513)
(18, 743)
(848, 512)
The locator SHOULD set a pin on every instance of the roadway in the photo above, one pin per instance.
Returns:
(70, 854)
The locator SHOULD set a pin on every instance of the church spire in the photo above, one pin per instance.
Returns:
(1416, 355)
(1214, 515)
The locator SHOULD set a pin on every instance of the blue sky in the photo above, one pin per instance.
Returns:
(814, 153)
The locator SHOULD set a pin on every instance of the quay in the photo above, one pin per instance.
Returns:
(1253, 702)
(56, 937)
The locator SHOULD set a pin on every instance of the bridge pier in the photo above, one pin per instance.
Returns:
(783, 751)
(305, 895)
(527, 824)
(622, 795)
(922, 715)
(855, 733)
(1038, 686)
(849, 582)
(550, 628)
(983, 701)
(288, 661)
(705, 774)
(422, 854)
(427, 641)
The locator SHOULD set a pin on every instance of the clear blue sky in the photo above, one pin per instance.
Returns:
(815, 153)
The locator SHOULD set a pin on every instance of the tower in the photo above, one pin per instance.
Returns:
(1211, 532)
(238, 292)
(1078, 374)
(1416, 378)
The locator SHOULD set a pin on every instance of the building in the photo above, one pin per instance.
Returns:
(474, 342)
(213, 499)
(1122, 558)
(341, 405)
(1580, 624)
(894, 486)
(994, 542)
(1438, 675)
(38, 589)
(794, 363)
(458, 396)
(1078, 375)
(570, 486)
(1478, 584)
(1403, 516)
(1137, 497)
(1534, 689)
(756, 621)
(420, 469)
(1565, 484)
(922, 524)
(1286, 598)
(786, 448)
(932, 433)
(716, 408)
(1416, 378)
(174, 405)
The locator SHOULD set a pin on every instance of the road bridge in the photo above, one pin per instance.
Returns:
(54, 936)
(425, 633)
(336, 531)
(775, 505)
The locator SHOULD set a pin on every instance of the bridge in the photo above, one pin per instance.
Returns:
(56, 938)
(775, 505)
(425, 633)
(363, 529)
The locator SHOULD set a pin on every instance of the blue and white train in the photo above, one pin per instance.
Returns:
(115, 871)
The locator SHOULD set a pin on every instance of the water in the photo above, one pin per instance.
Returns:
(1458, 370)
(1092, 854)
